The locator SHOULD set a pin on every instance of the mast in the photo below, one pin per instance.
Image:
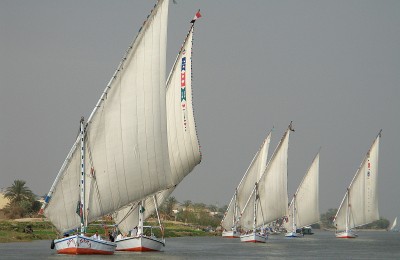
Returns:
(82, 194)
(293, 213)
(141, 216)
(158, 215)
(255, 209)
(235, 213)
(348, 210)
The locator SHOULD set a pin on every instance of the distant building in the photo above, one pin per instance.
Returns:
(3, 200)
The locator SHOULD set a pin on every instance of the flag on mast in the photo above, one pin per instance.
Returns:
(196, 16)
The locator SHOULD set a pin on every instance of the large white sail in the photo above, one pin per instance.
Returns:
(126, 142)
(360, 203)
(271, 190)
(305, 200)
(246, 185)
(183, 144)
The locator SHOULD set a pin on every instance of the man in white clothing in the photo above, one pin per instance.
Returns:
(96, 236)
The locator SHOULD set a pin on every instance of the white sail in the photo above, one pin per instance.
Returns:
(272, 198)
(246, 185)
(360, 203)
(183, 144)
(126, 141)
(394, 224)
(128, 217)
(306, 200)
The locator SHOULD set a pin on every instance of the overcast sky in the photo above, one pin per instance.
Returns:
(331, 67)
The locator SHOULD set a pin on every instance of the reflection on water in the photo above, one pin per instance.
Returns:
(322, 245)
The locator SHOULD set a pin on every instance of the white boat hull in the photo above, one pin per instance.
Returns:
(254, 238)
(346, 234)
(82, 245)
(293, 234)
(230, 234)
(140, 244)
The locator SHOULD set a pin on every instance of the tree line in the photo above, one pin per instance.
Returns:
(23, 202)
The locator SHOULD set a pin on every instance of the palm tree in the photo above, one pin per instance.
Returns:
(18, 192)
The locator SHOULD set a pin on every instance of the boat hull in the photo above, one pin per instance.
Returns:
(82, 245)
(346, 234)
(140, 244)
(230, 234)
(254, 238)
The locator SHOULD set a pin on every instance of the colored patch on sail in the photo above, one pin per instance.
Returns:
(369, 168)
(183, 88)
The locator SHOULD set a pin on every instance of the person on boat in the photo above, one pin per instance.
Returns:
(134, 231)
(96, 236)
(119, 237)
(111, 237)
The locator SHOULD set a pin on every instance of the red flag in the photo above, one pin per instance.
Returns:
(196, 16)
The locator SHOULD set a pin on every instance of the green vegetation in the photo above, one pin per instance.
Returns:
(22, 201)
(179, 219)
(12, 231)
(195, 214)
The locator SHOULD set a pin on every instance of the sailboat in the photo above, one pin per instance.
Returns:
(244, 189)
(123, 144)
(268, 200)
(360, 203)
(139, 239)
(304, 208)
(394, 225)
(183, 147)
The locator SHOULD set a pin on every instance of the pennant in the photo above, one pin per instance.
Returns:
(196, 16)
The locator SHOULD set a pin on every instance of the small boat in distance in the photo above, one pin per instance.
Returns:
(268, 200)
(360, 203)
(243, 190)
(394, 227)
(307, 230)
(304, 207)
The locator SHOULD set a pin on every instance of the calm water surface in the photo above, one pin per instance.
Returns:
(321, 245)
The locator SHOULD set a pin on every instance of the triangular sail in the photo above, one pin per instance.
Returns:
(306, 199)
(183, 144)
(272, 189)
(362, 194)
(128, 217)
(394, 224)
(126, 141)
(246, 185)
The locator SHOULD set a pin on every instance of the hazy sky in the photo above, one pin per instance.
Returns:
(333, 67)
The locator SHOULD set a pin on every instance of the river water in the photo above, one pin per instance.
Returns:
(321, 245)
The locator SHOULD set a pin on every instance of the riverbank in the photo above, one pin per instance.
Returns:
(23, 230)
